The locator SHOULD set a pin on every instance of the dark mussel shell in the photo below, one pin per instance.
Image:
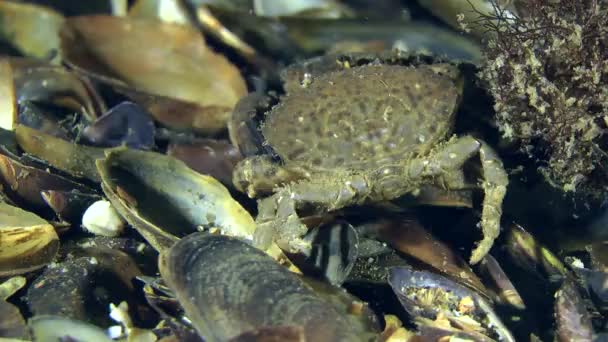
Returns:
(127, 123)
(228, 288)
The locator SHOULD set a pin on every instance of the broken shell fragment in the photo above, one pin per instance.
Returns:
(228, 287)
(77, 160)
(69, 206)
(164, 200)
(23, 184)
(101, 219)
(27, 242)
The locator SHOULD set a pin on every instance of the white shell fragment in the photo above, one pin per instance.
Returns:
(102, 219)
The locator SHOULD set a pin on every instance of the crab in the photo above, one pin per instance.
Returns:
(358, 131)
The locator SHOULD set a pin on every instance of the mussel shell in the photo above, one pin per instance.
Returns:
(127, 123)
(27, 242)
(12, 323)
(572, 319)
(228, 288)
(195, 91)
(533, 256)
(82, 288)
(215, 158)
(408, 236)
(77, 160)
(402, 279)
(164, 199)
(506, 290)
(42, 83)
(32, 29)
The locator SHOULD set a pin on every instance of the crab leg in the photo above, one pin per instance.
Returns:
(494, 185)
(441, 166)
(277, 215)
(495, 181)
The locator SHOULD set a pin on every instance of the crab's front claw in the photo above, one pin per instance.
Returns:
(278, 222)
(260, 175)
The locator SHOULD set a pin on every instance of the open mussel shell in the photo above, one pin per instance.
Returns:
(408, 236)
(165, 200)
(27, 242)
(428, 296)
(196, 91)
(30, 29)
(228, 287)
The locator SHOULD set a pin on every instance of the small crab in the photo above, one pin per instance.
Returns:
(358, 131)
